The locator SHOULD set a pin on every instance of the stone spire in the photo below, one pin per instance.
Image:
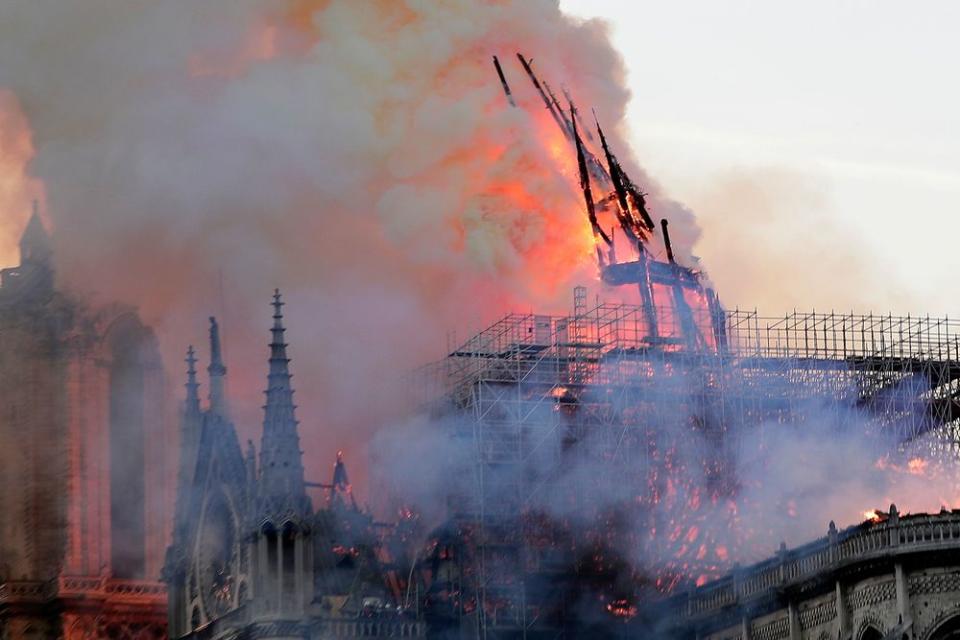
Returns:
(190, 423)
(35, 241)
(217, 372)
(192, 402)
(282, 489)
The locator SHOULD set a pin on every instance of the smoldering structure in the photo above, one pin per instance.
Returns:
(604, 445)
(587, 463)
(603, 462)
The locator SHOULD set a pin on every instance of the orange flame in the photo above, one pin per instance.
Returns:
(17, 188)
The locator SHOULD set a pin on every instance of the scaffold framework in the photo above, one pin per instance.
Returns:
(529, 387)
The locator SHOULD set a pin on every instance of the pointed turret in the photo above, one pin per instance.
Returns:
(217, 372)
(32, 279)
(281, 484)
(190, 423)
(35, 241)
(341, 491)
(192, 402)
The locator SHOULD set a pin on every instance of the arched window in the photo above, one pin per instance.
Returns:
(949, 630)
(125, 341)
(270, 535)
(871, 633)
(288, 541)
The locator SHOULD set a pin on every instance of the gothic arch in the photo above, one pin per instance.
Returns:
(869, 631)
(124, 336)
(195, 617)
(129, 352)
(946, 626)
(216, 553)
(82, 628)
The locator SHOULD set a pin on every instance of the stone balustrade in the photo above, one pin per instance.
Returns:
(24, 590)
(372, 629)
(892, 536)
(101, 587)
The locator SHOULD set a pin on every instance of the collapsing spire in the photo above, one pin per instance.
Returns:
(546, 100)
(598, 232)
(503, 82)
(624, 189)
(217, 372)
(282, 485)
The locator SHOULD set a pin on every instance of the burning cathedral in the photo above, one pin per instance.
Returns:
(595, 469)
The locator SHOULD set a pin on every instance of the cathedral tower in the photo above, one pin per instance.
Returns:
(283, 582)
(84, 511)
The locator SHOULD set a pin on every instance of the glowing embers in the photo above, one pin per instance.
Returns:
(667, 464)
(622, 608)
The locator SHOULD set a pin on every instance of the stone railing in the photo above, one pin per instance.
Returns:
(86, 587)
(372, 628)
(892, 536)
(231, 620)
(79, 585)
(136, 590)
(24, 590)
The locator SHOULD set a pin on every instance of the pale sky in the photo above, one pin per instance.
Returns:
(818, 143)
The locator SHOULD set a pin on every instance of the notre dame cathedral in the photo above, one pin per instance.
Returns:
(251, 557)
(94, 540)
(83, 508)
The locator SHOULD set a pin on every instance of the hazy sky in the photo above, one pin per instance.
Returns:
(817, 142)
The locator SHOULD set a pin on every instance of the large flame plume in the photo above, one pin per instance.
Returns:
(17, 187)
(360, 155)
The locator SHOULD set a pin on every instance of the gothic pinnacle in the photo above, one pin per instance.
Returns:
(193, 399)
(217, 371)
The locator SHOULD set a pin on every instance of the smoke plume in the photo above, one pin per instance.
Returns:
(679, 502)
(361, 156)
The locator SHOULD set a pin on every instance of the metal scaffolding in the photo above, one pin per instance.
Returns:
(530, 388)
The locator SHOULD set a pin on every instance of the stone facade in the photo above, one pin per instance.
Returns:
(84, 511)
(897, 578)
(251, 556)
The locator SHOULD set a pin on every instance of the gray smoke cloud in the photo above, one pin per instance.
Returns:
(694, 488)
(359, 155)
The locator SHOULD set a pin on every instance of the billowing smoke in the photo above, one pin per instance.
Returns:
(361, 156)
(679, 486)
